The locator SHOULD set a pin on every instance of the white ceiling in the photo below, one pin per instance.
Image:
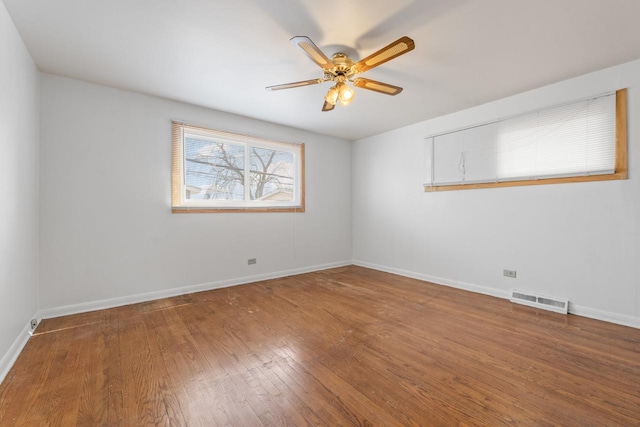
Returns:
(222, 53)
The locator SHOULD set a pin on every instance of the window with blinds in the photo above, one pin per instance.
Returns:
(215, 171)
(579, 141)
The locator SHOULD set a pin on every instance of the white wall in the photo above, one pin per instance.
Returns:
(579, 241)
(107, 231)
(19, 190)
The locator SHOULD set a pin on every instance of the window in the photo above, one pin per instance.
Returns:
(216, 171)
(575, 142)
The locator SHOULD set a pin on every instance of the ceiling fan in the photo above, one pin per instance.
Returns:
(340, 69)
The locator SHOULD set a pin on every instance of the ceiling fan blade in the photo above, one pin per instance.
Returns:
(295, 84)
(385, 88)
(395, 49)
(313, 52)
(327, 107)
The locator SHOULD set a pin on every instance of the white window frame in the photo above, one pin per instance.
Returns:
(179, 202)
(619, 168)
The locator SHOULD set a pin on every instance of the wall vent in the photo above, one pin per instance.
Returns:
(559, 305)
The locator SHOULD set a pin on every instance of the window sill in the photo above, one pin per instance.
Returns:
(260, 209)
(610, 177)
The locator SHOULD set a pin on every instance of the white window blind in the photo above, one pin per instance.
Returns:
(576, 139)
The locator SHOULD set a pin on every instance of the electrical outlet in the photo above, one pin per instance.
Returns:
(34, 323)
(509, 273)
(252, 261)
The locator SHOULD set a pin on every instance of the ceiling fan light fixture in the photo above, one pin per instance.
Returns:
(332, 96)
(345, 93)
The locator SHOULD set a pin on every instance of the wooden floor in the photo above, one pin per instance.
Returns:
(348, 346)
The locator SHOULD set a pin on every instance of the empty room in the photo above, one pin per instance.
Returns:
(371, 213)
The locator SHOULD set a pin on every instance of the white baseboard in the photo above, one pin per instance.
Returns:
(437, 280)
(606, 316)
(12, 354)
(150, 296)
(578, 310)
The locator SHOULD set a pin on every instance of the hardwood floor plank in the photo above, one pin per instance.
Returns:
(346, 346)
(93, 399)
(167, 386)
(269, 403)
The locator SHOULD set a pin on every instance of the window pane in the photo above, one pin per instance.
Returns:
(213, 169)
(602, 127)
(447, 149)
(478, 160)
(466, 156)
(561, 144)
(517, 147)
(272, 174)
